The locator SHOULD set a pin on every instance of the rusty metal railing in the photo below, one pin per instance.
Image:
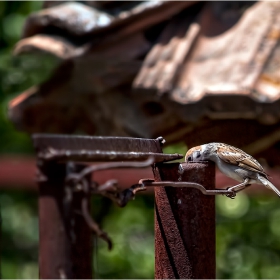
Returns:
(184, 208)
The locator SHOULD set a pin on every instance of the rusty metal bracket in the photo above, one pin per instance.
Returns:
(151, 183)
(117, 152)
(65, 185)
(77, 182)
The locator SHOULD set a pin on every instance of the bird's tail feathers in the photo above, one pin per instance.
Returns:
(268, 184)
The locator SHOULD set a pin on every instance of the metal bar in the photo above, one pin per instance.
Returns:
(98, 148)
(150, 183)
(185, 223)
(110, 165)
(96, 143)
(65, 246)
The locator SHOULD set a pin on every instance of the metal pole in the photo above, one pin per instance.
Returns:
(65, 249)
(185, 223)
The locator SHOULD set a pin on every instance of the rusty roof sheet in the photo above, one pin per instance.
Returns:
(41, 43)
(68, 29)
(72, 17)
(79, 19)
(190, 64)
(214, 62)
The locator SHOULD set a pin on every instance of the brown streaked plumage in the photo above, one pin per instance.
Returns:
(234, 163)
(238, 157)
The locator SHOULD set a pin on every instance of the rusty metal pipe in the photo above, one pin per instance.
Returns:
(65, 246)
(185, 223)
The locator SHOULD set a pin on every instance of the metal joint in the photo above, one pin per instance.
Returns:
(76, 182)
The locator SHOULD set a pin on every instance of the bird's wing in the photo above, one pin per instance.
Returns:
(237, 157)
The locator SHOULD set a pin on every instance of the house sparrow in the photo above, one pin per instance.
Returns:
(234, 163)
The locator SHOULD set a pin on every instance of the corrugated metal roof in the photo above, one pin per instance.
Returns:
(74, 27)
(212, 62)
(243, 60)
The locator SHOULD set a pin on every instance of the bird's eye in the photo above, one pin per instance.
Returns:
(198, 155)
(189, 158)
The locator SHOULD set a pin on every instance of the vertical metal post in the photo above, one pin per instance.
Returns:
(185, 223)
(65, 249)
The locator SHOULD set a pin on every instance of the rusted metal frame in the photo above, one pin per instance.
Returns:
(63, 203)
(54, 149)
(184, 222)
(78, 183)
(65, 240)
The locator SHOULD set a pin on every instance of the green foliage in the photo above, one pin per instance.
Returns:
(17, 74)
(19, 246)
(132, 231)
(12, 15)
(179, 148)
(248, 231)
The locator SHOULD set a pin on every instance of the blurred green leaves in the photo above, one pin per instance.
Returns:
(180, 148)
(274, 223)
(234, 208)
(12, 26)
(248, 244)
(132, 231)
(17, 74)
(19, 248)
(12, 14)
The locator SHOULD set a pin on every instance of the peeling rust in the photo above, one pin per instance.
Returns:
(185, 231)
